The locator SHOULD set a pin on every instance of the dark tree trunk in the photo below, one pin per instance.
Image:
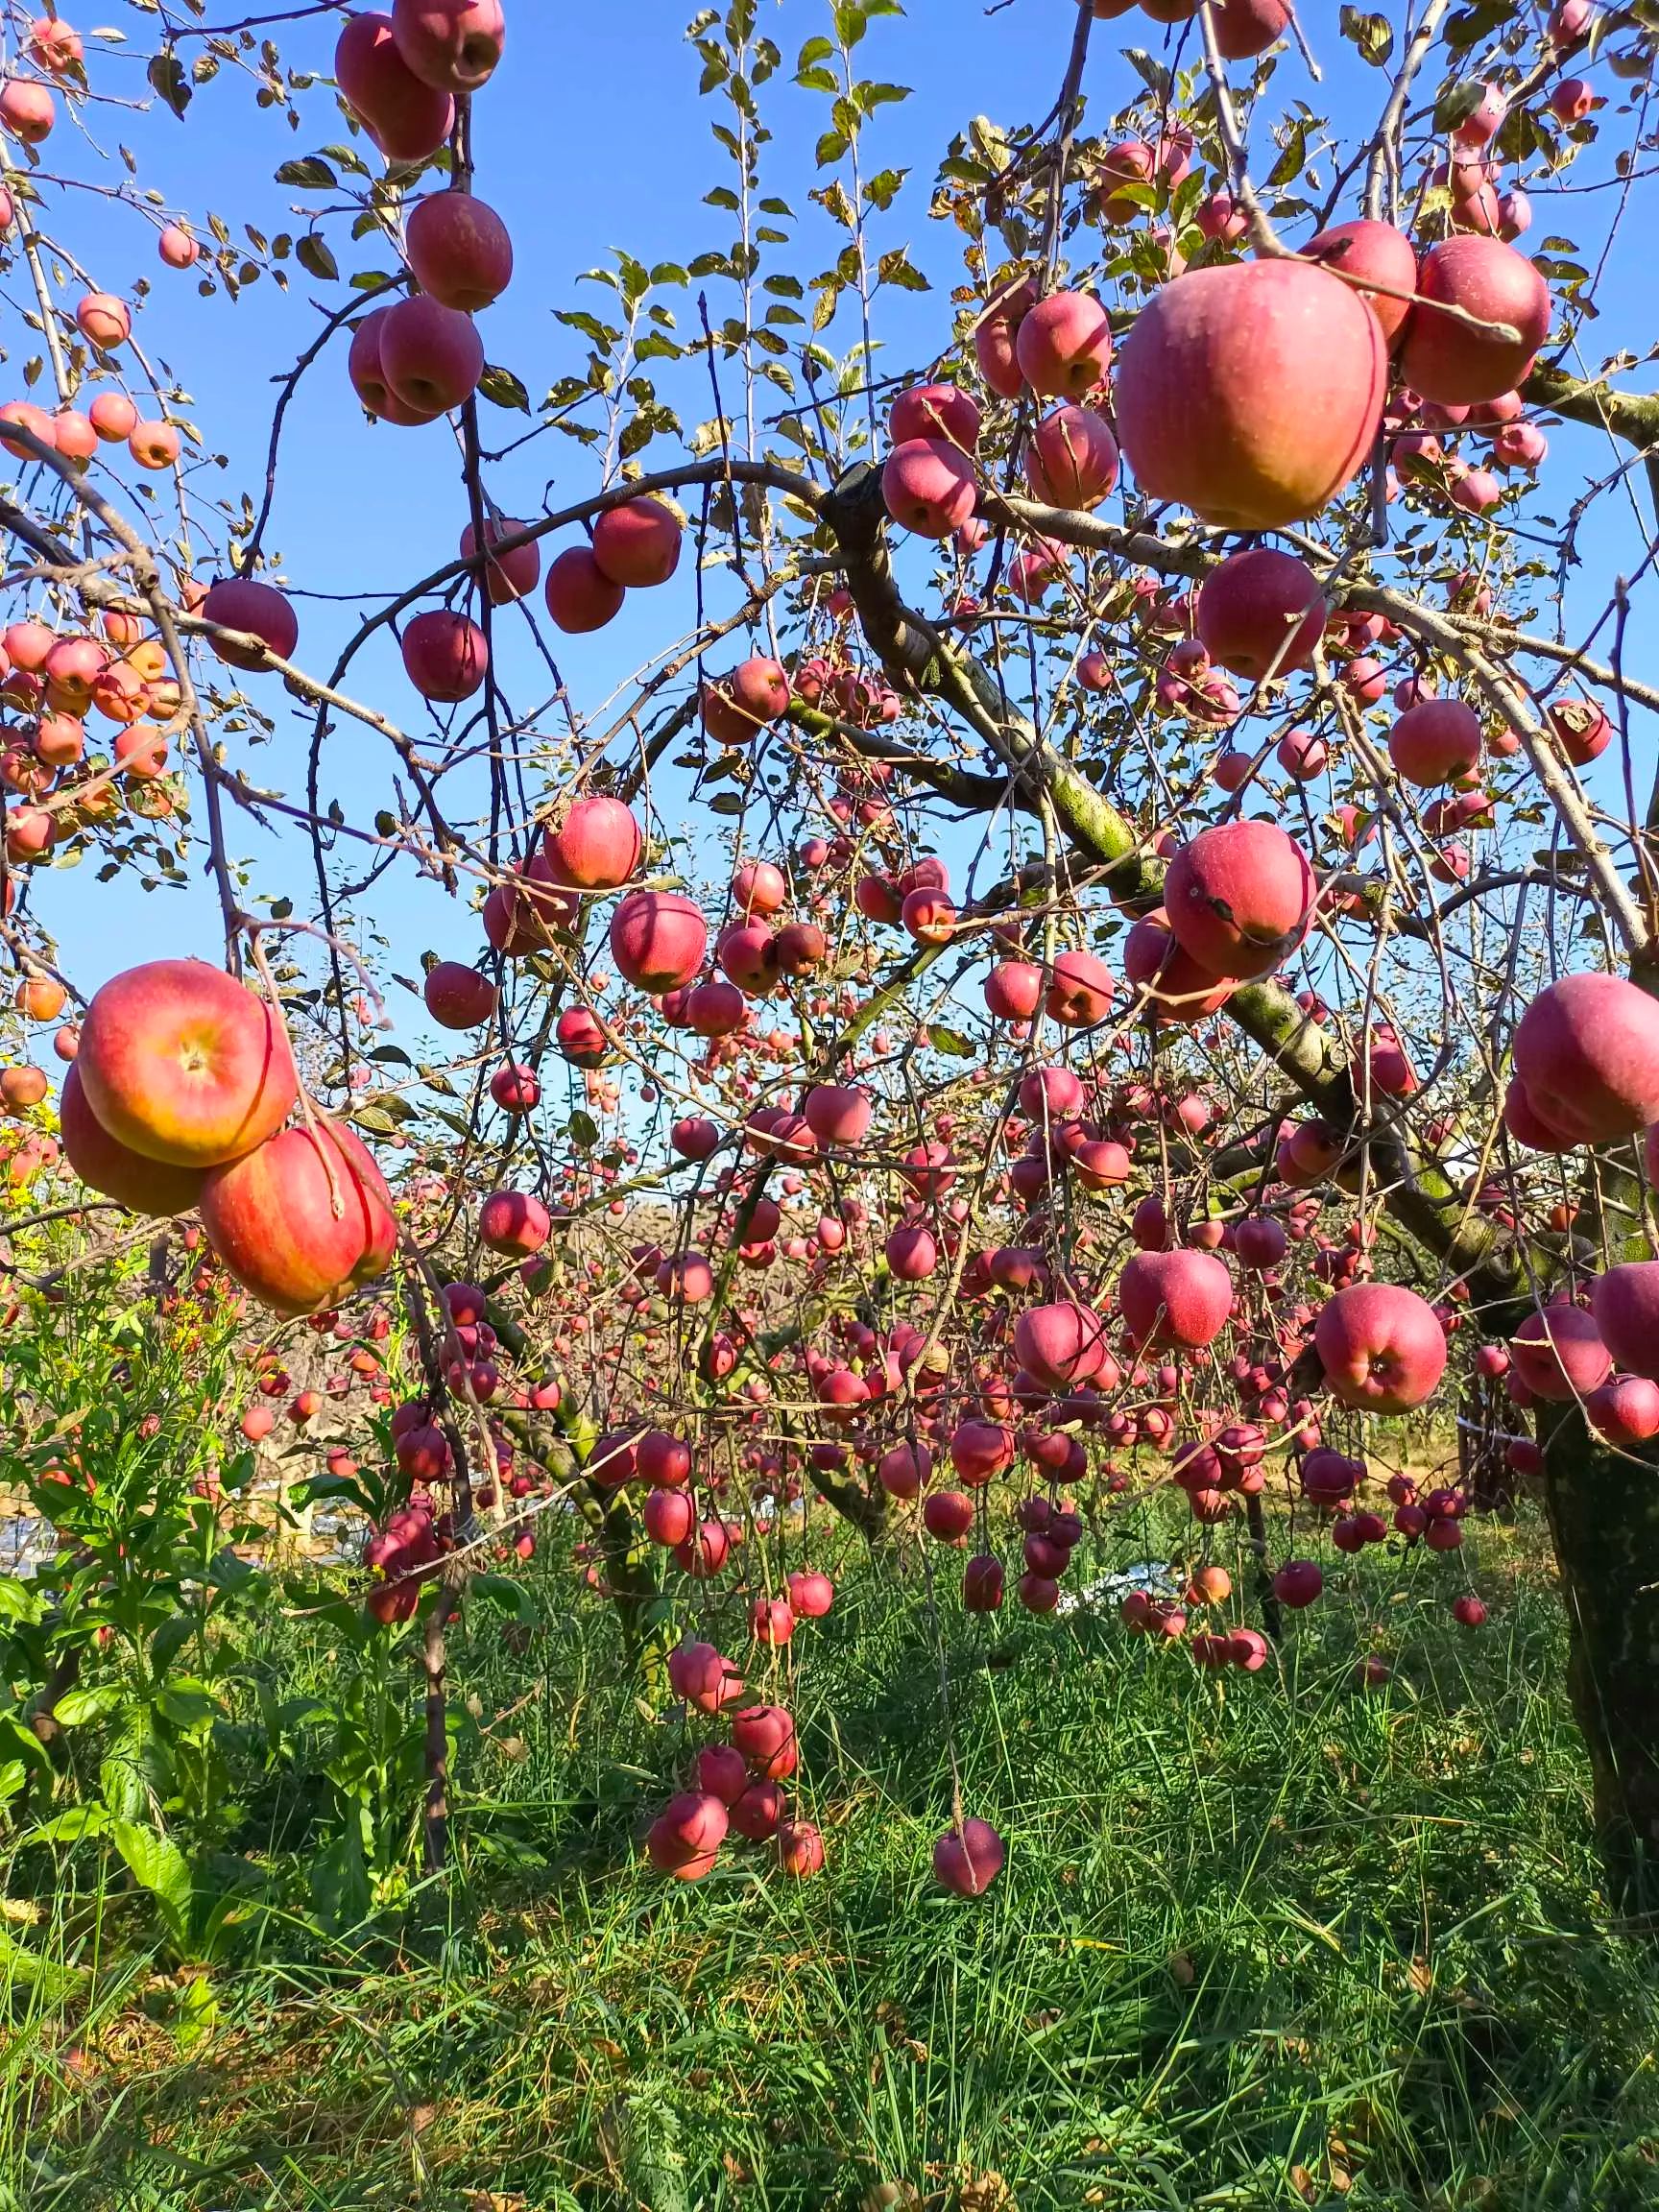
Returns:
(1604, 1517)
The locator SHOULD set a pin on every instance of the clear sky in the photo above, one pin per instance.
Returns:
(591, 138)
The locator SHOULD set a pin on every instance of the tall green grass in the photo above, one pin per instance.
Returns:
(1259, 1943)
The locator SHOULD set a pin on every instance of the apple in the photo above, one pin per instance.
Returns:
(1081, 989)
(1071, 459)
(1240, 898)
(1179, 1299)
(446, 656)
(155, 446)
(368, 375)
(515, 1222)
(941, 412)
(1626, 1304)
(407, 118)
(1561, 1354)
(239, 603)
(967, 1858)
(1251, 393)
(1246, 28)
(27, 109)
(685, 1838)
(458, 997)
(104, 321)
(1454, 362)
(1061, 1345)
(580, 595)
(929, 487)
(1064, 345)
(114, 1170)
(1436, 741)
(431, 356)
(596, 847)
(1377, 251)
(1261, 613)
(1298, 1583)
(637, 544)
(1382, 1347)
(1131, 162)
(182, 1064)
(451, 44)
(1586, 1054)
(113, 417)
(508, 576)
(996, 338)
(765, 1737)
(658, 940)
(459, 250)
(1155, 963)
(800, 1848)
(270, 1217)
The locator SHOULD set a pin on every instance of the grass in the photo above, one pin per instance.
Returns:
(1259, 1943)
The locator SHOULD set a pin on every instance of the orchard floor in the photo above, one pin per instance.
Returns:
(1259, 1943)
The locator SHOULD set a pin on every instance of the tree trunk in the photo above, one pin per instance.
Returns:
(1604, 1517)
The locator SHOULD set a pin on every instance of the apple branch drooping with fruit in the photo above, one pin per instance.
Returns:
(1116, 950)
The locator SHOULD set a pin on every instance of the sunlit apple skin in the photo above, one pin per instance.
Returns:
(113, 1169)
(271, 1218)
(1251, 393)
(184, 1064)
(368, 373)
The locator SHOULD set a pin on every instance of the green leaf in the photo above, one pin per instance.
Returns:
(25, 1970)
(316, 257)
(311, 173)
(76, 1707)
(159, 1865)
(951, 1042)
(584, 1130)
(506, 1597)
(71, 1827)
(502, 389)
(884, 188)
(1290, 163)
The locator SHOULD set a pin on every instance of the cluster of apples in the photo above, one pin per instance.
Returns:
(1218, 400)
(52, 680)
(400, 74)
(739, 1784)
(177, 1098)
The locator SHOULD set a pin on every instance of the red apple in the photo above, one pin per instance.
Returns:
(184, 1064)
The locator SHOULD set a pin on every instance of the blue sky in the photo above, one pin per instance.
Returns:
(590, 139)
